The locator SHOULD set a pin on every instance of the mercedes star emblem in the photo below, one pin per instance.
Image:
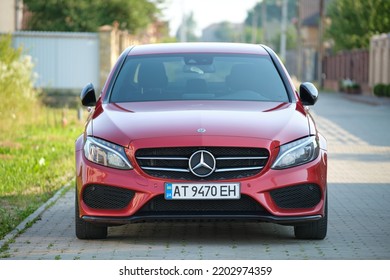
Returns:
(202, 163)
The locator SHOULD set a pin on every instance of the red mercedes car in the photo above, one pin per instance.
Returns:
(202, 131)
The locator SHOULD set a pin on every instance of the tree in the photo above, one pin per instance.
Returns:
(88, 15)
(228, 32)
(273, 9)
(291, 42)
(353, 22)
(189, 24)
(273, 12)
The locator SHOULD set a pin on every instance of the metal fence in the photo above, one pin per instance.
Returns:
(64, 61)
(352, 65)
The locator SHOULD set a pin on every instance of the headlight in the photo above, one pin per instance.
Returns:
(106, 153)
(297, 153)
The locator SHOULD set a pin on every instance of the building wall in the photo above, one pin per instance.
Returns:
(310, 37)
(308, 8)
(7, 16)
(379, 60)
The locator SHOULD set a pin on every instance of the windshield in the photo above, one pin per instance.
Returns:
(198, 77)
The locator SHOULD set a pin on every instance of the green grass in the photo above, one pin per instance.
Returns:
(36, 142)
(36, 159)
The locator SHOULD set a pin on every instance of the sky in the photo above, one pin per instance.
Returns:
(207, 12)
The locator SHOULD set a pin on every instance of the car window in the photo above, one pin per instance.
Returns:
(198, 77)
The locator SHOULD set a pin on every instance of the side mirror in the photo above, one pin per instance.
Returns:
(308, 93)
(88, 97)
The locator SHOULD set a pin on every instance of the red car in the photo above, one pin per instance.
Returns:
(202, 131)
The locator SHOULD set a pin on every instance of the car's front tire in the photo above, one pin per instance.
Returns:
(313, 230)
(85, 230)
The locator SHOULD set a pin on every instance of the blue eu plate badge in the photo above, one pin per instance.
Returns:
(168, 191)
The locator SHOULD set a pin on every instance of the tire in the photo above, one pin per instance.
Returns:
(313, 230)
(85, 230)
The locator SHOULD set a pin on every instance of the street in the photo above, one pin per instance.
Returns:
(358, 135)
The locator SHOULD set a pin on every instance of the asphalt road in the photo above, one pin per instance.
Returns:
(358, 135)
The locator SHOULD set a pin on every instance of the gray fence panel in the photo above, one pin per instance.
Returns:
(63, 60)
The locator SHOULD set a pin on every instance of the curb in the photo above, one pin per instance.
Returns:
(33, 216)
(369, 100)
(361, 98)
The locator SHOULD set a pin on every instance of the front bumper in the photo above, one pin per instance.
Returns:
(145, 189)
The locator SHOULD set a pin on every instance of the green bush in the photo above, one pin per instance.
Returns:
(387, 90)
(17, 94)
(349, 86)
(380, 89)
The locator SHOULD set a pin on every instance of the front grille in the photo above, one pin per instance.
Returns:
(243, 205)
(173, 163)
(105, 197)
(300, 196)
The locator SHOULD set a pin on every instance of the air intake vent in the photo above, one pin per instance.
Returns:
(300, 196)
(106, 197)
(242, 205)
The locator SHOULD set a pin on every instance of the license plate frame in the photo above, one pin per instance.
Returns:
(202, 191)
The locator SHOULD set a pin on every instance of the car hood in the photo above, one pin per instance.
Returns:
(123, 123)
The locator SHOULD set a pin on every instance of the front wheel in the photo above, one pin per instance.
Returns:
(313, 230)
(85, 230)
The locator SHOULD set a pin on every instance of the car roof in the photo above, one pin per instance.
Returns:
(174, 48)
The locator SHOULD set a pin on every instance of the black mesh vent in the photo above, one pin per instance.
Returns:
(239, 158)
(301, 196)
(242, 205)
(105, 197)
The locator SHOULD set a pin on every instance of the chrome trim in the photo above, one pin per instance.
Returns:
(238, 169)
(164, 158)
(217, 170)
(237, 158)
(165, 169)
(202, 163)
(186, 158)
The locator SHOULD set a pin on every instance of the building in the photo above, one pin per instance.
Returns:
(11, 15)
(309, 37)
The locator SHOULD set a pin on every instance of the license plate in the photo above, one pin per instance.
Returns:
(202, 191)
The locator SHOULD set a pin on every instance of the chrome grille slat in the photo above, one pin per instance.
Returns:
(164, 169)
(238, 158)
(238, 169)
(164, 158)
(173, 163)
(186, 170)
